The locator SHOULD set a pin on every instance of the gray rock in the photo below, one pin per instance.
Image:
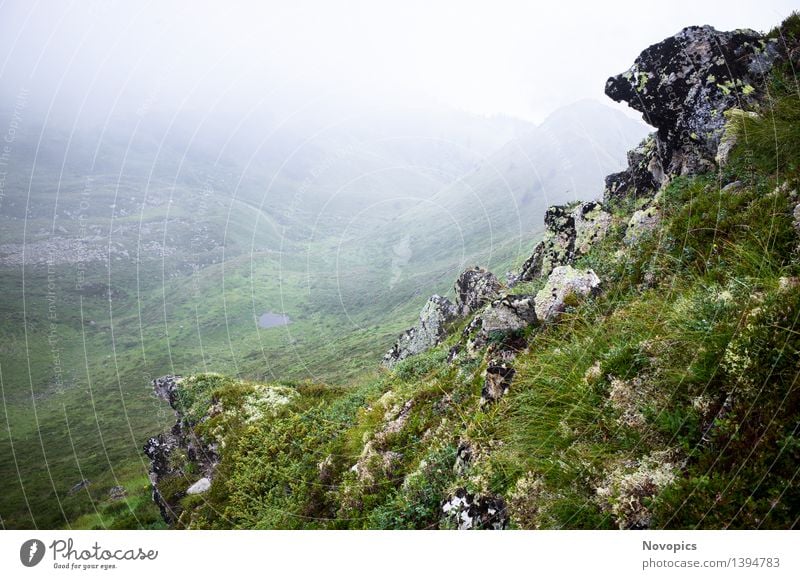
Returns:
(463, 458)
(117, 493)
(434, 319)
(641, 222)
(643, 176)
(685, 83)
(563, 282)
(468, 511)
(504, 317)
(79, 486)
(570, 232)
(474, 288)
(509, 314)
(199, 487)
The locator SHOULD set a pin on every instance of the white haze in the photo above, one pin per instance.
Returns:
(87, 61)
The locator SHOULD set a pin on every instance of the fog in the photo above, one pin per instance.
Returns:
(95, 61)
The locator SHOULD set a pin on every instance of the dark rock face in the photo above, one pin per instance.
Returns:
(498, 379)
(643, 176)
(469, 511)
(683, 85)
(434, 319)
(474, 288)
(570, 232)
(170, 452)
(463, 458)
(159, 449)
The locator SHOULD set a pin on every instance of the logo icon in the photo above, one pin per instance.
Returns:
(32, 552)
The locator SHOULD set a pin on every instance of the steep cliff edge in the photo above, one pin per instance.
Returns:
(639, 371)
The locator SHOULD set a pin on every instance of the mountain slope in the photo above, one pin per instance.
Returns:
(642, 375)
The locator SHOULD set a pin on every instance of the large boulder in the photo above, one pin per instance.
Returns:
(570, 232)
(431, 328)
(474, 288)
(683, 85)
(564, 282)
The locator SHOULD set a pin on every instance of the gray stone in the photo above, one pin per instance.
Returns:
(80, 486)
(463, 458)
(509, 314)
(563, 282)
(570, 232)
(469, 511)
(641, 222)
(434, 319)
(474, 288)
(199, 487)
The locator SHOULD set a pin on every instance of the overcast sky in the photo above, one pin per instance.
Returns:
(523, 59)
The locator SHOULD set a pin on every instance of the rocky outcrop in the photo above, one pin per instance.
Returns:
(474, 288)
(643, 176)
(499, 323)
(565, 282)
(468, 511)
(570, 231)
(434, 320)
(684, 84)
(171, 454)
(83, 484)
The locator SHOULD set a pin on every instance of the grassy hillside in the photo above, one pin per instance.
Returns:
(671, 400)
(129, 255)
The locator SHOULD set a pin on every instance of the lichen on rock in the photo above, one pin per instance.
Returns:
(570, 232)
(680, 100)
(563, 282)
(431, 327)
(627, 488)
